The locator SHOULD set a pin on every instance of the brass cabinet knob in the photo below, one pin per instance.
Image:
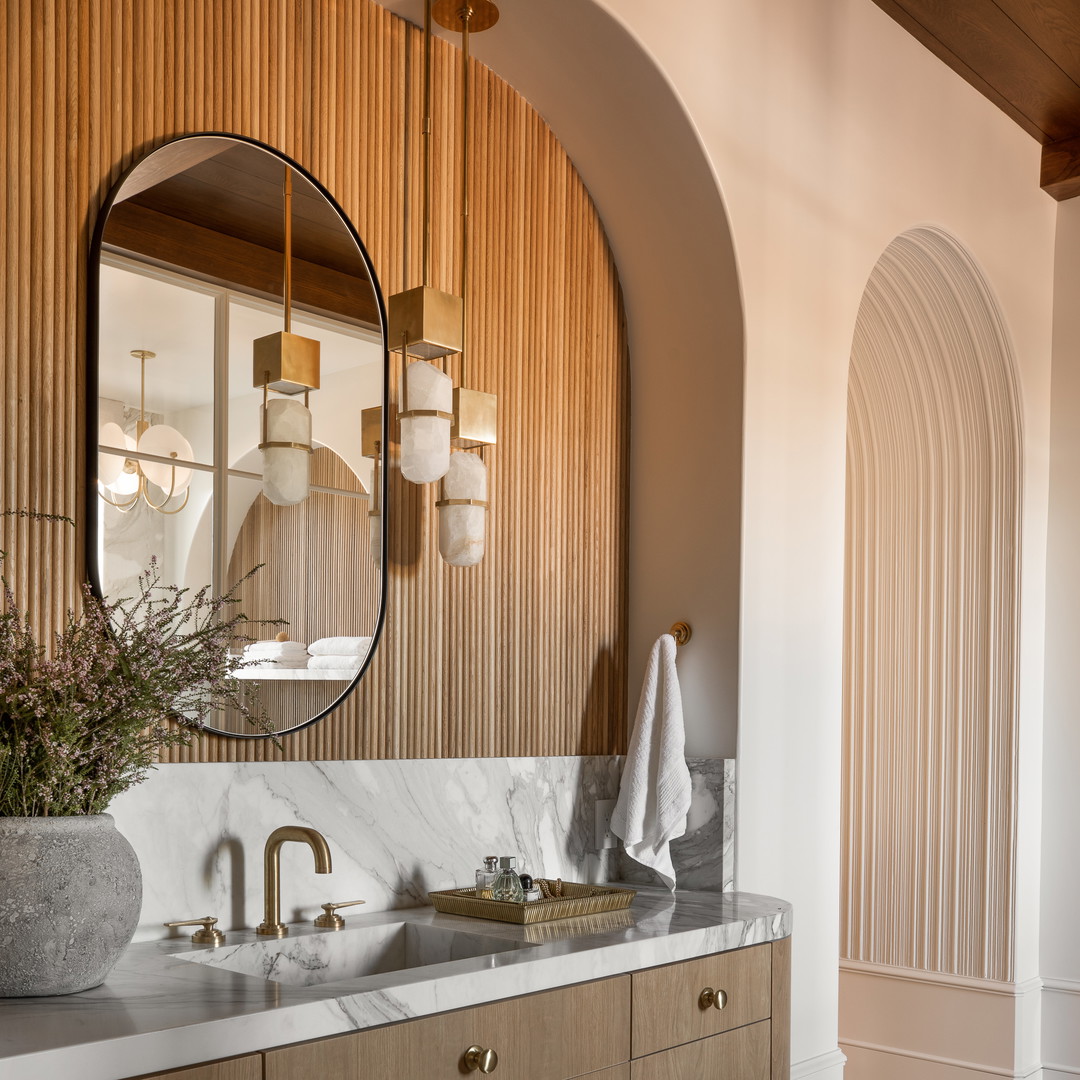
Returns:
(330, 919)
(207, 935)
(712, 999)
(476, 1057)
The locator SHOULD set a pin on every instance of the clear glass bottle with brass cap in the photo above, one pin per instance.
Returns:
(486, 875)
(507, 885)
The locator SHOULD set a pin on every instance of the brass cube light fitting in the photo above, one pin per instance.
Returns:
(285, 362)
(425, 322)
(475, 419)
(370, 431)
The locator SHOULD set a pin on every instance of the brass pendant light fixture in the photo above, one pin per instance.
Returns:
(288, 364)
(463, 507)
(129, 478)
(425, 323)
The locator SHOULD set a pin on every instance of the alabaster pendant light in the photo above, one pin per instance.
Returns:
(287, 364)
(126, 480)
(463, 507)
(463, 510)
(425, 323)
(425, 423)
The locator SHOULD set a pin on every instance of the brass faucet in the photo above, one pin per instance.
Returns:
(272, 926)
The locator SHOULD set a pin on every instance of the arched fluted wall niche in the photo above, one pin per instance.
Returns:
(934, 448)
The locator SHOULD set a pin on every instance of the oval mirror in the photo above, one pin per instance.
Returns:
(236, 402)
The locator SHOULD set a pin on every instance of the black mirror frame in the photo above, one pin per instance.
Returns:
(93, 297)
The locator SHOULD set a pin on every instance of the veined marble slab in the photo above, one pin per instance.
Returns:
(704, 857)
(397, 830)
(157, 1011)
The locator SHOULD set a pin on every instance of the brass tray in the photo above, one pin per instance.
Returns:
(576, 899)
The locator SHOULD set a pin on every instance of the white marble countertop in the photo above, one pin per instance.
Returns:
(156, 1011)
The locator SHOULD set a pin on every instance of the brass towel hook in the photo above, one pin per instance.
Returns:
(681, 632)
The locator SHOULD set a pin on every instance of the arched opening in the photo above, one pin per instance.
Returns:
(931, 629)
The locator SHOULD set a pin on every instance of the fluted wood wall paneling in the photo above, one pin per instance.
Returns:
(932, 619)
(523, 655)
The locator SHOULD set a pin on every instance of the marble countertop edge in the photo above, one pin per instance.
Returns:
(158, 1012)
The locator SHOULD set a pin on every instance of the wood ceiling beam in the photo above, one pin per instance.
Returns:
(1061, 168)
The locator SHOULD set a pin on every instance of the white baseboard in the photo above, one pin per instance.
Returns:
(891, 1025)
(828, 1066)
(871, 1062)
(1061, 1029)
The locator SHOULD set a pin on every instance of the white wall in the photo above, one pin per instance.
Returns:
(831, 131)
(1061, 795)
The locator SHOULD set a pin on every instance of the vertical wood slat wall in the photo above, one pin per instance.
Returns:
(931, 621)
(523, 655)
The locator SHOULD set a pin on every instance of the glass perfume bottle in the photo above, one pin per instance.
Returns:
(486, 875)
(531, 890)
(507, 885)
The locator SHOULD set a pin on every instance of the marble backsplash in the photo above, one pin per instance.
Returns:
(704, 857)
(396, 830)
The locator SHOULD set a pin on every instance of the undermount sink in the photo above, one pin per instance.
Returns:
(333, 956)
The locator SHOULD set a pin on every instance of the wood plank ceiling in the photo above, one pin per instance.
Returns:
(1024, 55)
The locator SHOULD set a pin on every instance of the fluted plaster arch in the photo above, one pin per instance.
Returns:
(633, 143)
(931, 629)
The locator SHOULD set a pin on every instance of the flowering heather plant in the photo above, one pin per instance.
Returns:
(86, 720)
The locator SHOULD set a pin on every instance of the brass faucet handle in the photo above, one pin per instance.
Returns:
(330, 919)
(207, 935)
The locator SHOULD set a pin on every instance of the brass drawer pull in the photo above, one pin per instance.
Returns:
(476, 1057)
(712, 999)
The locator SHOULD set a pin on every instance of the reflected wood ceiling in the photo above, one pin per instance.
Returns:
(1024, 55)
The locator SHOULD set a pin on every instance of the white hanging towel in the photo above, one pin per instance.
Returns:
(654, 794)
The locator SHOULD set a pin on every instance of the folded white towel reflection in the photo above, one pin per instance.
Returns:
(256, 663)
(340, 646)
(334, 663)
(654, 793)
(276, 650)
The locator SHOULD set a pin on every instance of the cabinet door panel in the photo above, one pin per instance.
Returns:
(550, 1036)
(742, 1054)
(781, 1009)
(616, 1072)
(245, 1068)
(666, 1001)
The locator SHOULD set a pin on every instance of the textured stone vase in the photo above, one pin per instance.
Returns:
(70, 897)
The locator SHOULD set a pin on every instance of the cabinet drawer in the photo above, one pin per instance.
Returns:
(550, 1036)
(242, 1068)
(667, 1009)
(742, 1054)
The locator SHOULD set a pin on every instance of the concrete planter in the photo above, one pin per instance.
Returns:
(70, 897)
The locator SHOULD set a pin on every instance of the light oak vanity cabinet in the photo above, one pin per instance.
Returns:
(725, 1015)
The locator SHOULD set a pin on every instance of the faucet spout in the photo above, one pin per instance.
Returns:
(272, 926)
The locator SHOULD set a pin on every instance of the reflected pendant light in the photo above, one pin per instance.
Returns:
(155, 447)
(463, 507)
(371, 447)
(288, 364)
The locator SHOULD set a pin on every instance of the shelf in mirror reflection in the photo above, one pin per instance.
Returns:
(297, 674)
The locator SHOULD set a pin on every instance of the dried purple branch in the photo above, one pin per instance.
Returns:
(124, 680)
